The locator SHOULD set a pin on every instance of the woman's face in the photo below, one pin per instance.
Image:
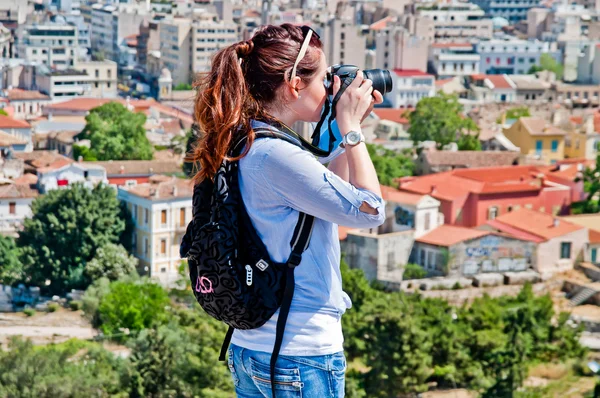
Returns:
(311, 96)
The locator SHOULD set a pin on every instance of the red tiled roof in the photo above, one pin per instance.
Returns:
(448, 235)
(470, 159)
(381, 24)
(7, 122)
(478, 76)
(394, 195)
(539, 126)
(55, 165)
(594, 236)
(17, 94)
(14, 191)
(410, 72)
(459, 183)
(441, 82)
(537, 223)
(517, 233)
(499, 81)
(26, 179)
(87, 104)
(394, 115)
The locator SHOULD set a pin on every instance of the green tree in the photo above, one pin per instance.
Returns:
(413, 271)
(390, 165)
(132, 305)
(67, 228)
(115, 133)
(182, 87)
(439, 119)
(591, 181)
(518, 112)
(111, 261)
(550, 64)
(3, 112)
(11, 268)
(85, 153)
(469, 142)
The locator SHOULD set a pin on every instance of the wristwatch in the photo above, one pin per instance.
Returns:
(352, 138)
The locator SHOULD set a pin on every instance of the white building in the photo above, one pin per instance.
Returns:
(25, 103)
(53, 45)
(112, 23)
(449, 60)
(456, 20)
(62, 175)
(409, 87)
(15, 206)
(161, 210)
(513, 56)
(91, 79)
(588, 67)
(187, 47)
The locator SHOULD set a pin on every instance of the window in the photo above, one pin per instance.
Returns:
(182, 216)
(422, 257)
(163, 246)
(134, 243)
(509, 209)
(565, 250)
(12, 208)
(594, 255)
(135, 212)
(163, 217)
(97, 73)
(146, 216)
(391, 260)
(145, 246)
(554, 145)
(427, 221)
(492, 213)
(539, 145)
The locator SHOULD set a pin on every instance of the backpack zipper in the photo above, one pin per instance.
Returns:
(297, 384)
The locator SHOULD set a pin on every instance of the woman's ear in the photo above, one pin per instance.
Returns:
(294, 87)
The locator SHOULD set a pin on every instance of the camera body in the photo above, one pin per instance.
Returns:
(381, 78)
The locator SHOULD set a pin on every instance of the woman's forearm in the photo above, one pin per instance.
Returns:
(339, 166)
(361, 171)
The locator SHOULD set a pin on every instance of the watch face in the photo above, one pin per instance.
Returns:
(353, 138)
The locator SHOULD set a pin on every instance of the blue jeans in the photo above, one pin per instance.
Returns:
(295, 376)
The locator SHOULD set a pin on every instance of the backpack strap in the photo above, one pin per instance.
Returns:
(299, 243)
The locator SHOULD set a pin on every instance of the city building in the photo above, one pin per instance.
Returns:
(161, 210)
(5, 42)
(538, 139)
(25, 104)
(592, 223)
(530, 89)
(513, 56)
(63, 142)
(559, 243)
(433, 161)
(133, 172)
(583, 141)
(343, 42)
(12, 14)
(588, 65)
(512, 10)
(397, 48)
(391, 125)
(187, 46)
(456, 20)
(454, 251)
(110, 24)
(54, 45)
(448, 60)
(485, 89)
(471, 197)
(89, 79)
(409, 87)
(17, 128)
(15, 207)
(580, 95)
(63, 174)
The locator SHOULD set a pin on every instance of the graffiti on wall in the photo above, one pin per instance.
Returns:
(494, 254)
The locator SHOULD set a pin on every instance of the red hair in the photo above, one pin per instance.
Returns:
(243, 80)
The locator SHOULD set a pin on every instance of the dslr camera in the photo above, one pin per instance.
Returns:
(381, 78)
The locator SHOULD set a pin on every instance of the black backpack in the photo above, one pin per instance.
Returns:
(233, 277)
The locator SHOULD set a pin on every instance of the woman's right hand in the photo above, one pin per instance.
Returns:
(353, 103)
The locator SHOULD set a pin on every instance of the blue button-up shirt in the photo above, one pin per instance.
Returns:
(277, 181)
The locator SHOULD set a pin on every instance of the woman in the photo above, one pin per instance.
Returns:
(272, 81)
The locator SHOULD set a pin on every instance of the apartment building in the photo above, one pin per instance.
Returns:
(448, 60)
(5, 42)
(15, 207)
(187, 46)
(588, 66)
(343, 42)
(90, 79)
(512, 10)
(397, 48)
(53, 45)
(409, 87)
(538, 138)
(112, 23)
(513, 56)
(454, 21)
(161, 210)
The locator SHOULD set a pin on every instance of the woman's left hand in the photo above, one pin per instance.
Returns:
(377, 99)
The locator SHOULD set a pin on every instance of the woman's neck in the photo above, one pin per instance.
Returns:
(284, 116)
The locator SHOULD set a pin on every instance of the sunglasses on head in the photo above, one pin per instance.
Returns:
(307, 32)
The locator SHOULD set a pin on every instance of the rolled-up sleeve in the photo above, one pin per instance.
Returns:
(306, 185)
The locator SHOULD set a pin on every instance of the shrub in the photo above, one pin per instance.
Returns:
(52, 307)
(29, 311)
(76, 305)
(413, 271)
(456, 286)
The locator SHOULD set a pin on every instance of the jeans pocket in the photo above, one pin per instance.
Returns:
(287, 380)
(338, 365)
(231, 366)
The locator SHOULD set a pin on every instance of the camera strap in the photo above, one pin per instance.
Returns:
(330, 106)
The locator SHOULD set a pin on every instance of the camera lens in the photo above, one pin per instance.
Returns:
(381, 78)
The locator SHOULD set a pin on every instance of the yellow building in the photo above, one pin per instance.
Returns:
(161, 210)
(582, 142)
(538, 139)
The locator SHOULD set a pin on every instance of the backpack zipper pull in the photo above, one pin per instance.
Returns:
(248, 275)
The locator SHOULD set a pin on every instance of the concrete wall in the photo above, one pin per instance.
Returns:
(548, 253)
